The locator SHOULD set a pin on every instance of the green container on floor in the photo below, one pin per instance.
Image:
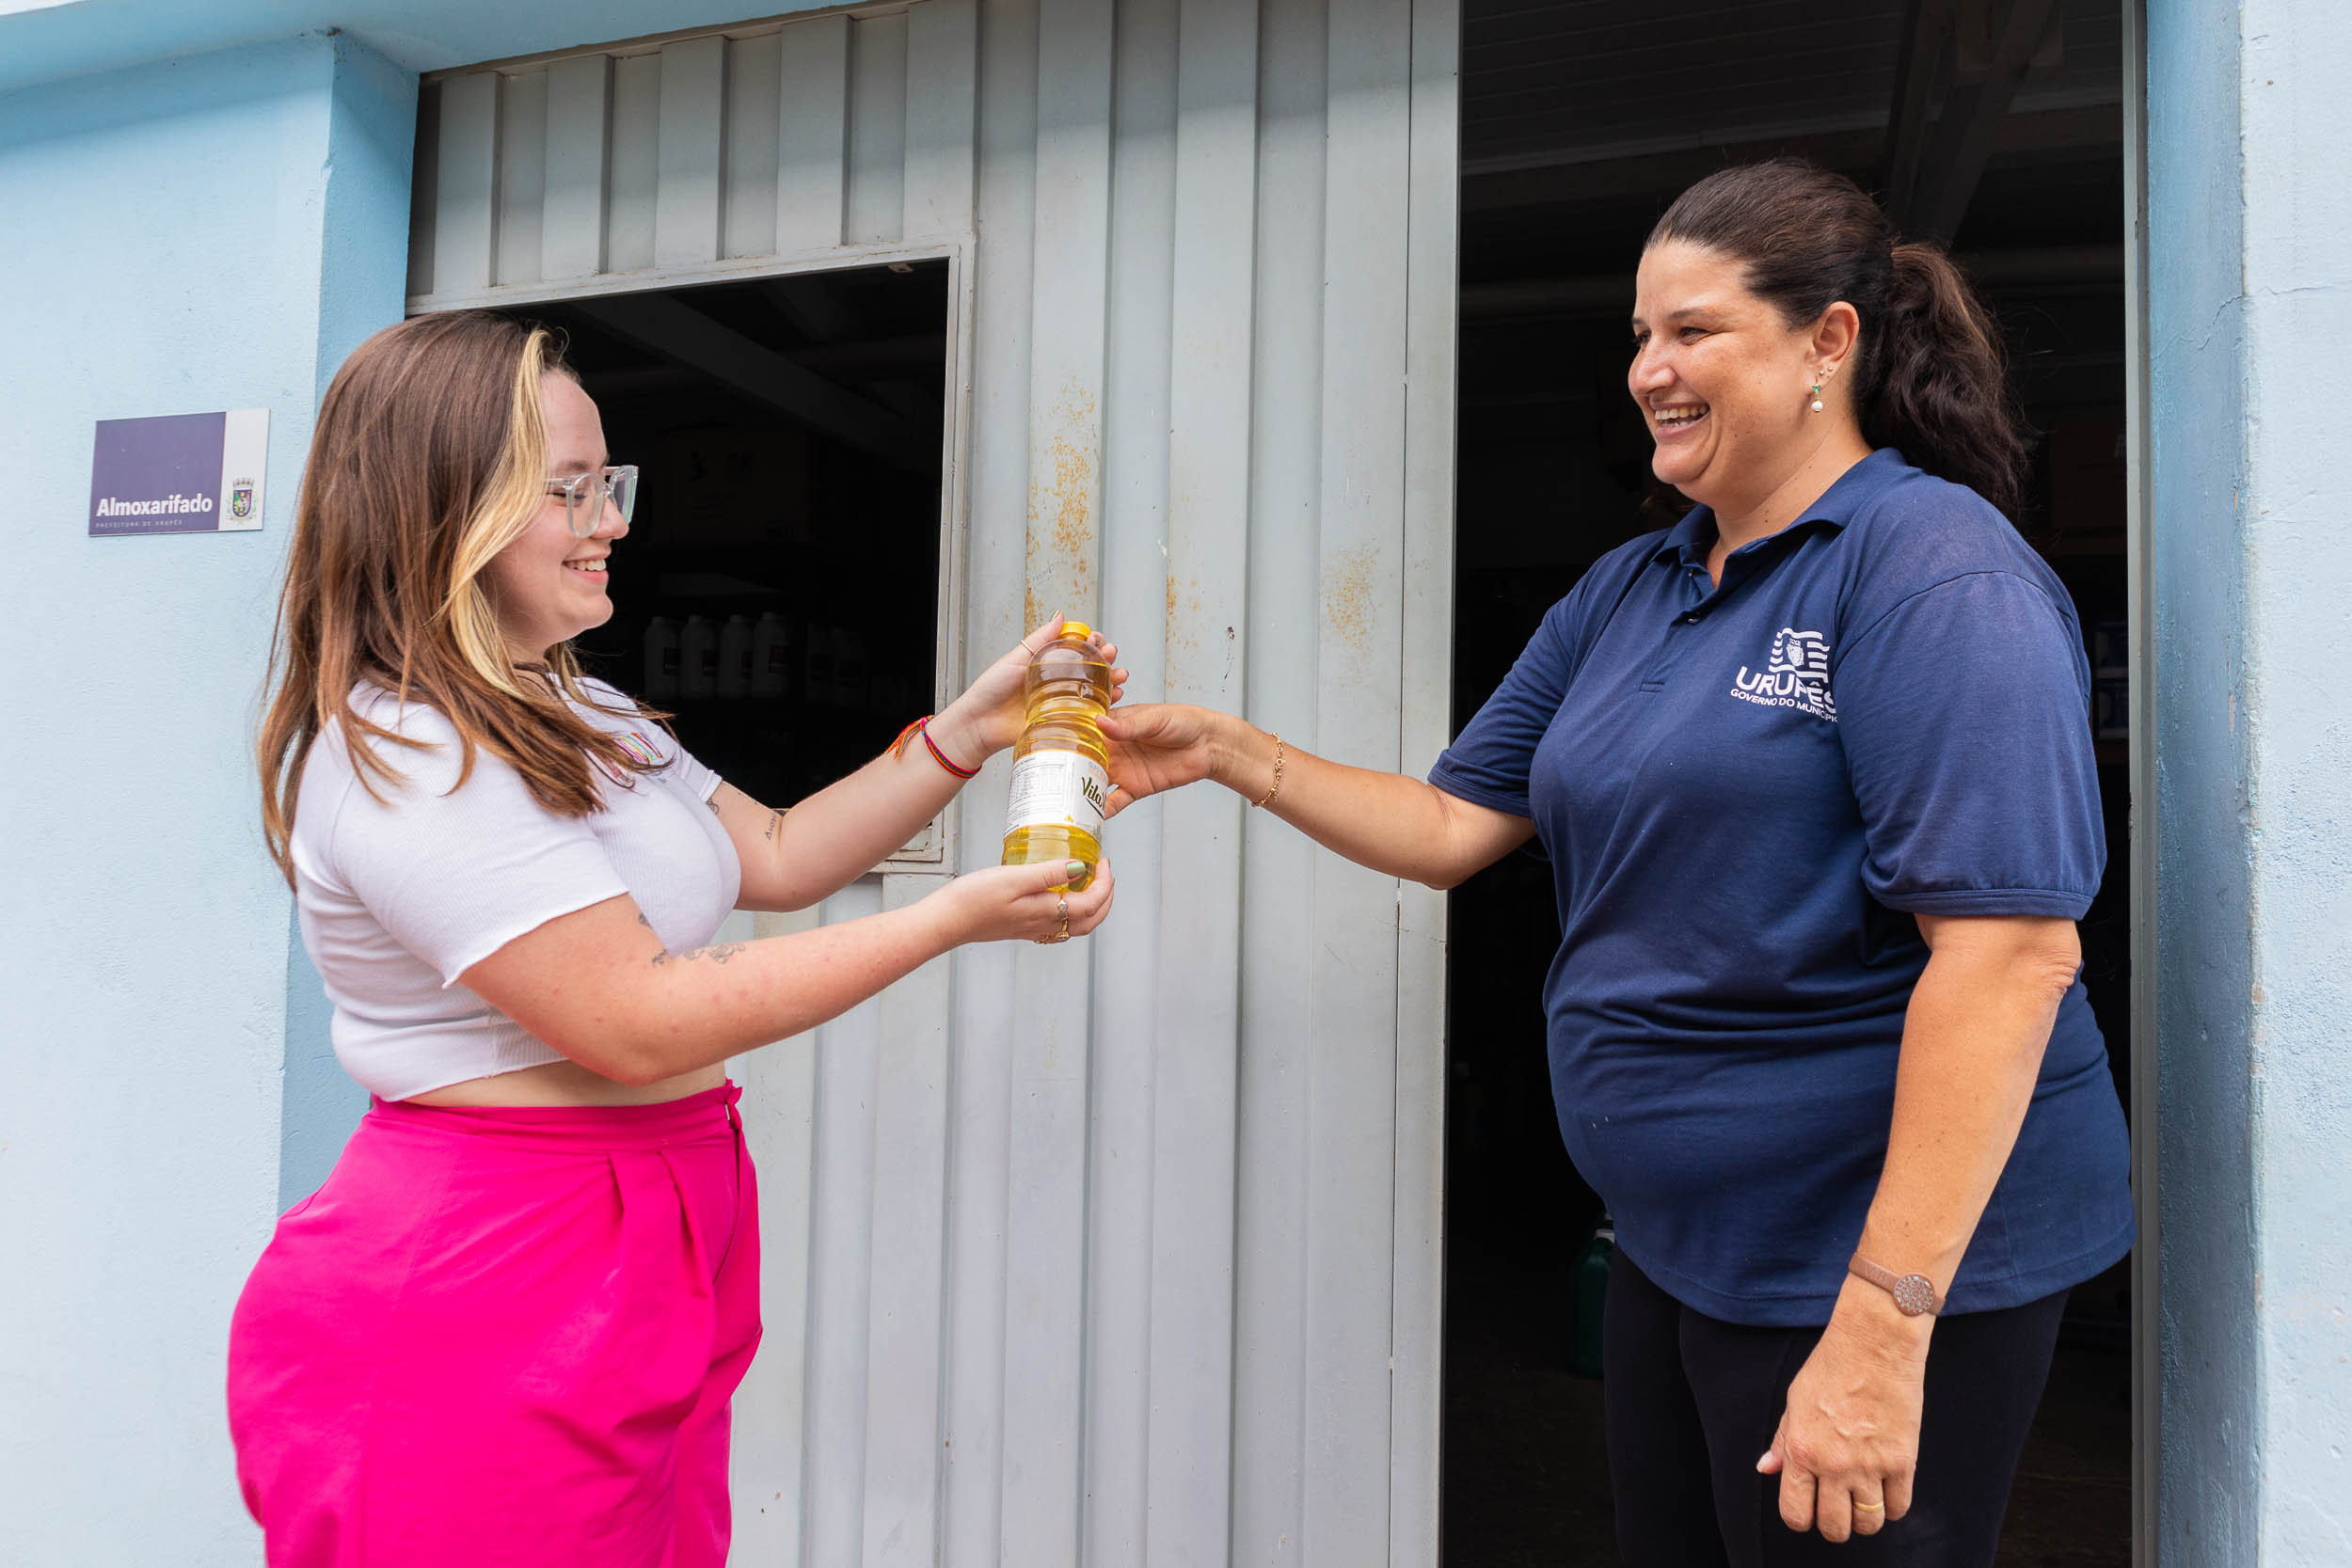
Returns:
(1591, 1290)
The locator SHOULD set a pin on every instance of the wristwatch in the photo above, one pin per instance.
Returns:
(1914, 1293)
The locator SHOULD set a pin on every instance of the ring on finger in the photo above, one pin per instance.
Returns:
(1870, 1507)
(1061, 912)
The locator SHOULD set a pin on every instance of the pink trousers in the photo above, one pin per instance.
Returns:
(503, 1337)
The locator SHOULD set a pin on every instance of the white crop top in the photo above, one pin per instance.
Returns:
(397, 899)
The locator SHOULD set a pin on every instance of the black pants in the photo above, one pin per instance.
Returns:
(1691, 1401)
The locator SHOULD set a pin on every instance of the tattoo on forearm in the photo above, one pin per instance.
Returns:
(642, 921)
(717, 954)
(775, 820)
(713, 804)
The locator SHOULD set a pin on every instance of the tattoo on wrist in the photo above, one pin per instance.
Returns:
(717, 954)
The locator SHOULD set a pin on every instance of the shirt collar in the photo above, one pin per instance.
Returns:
(1690, 540)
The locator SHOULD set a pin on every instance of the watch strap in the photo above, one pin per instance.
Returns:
(1914, 1293)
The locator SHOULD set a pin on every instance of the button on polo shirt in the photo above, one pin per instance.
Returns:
(1747, 790)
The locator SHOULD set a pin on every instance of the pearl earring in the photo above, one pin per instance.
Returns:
(1817, 397)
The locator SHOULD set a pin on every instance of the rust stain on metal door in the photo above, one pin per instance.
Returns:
(1349, 600)
(1065, 489)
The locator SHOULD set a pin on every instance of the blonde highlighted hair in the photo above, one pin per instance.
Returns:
(429, 458)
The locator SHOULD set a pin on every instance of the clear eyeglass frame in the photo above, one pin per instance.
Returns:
(584, 497)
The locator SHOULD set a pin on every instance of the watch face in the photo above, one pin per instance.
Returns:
(1914, 1294)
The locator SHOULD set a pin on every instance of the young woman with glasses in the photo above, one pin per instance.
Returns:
(508, 1326)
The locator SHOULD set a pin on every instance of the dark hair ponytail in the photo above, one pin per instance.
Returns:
(1930, 376)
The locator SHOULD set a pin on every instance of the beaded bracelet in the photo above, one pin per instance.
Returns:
(923, 727)
(1278, 775)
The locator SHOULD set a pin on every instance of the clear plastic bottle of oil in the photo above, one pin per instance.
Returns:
(1060, 786)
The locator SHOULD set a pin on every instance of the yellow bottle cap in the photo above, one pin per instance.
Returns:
(1076, 628)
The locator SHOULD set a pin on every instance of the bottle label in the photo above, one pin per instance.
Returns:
(1058, 789)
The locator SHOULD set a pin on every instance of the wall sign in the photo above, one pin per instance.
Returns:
(181, 473)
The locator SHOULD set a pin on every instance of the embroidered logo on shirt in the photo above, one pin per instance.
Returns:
(638, 747)
(1796, 675)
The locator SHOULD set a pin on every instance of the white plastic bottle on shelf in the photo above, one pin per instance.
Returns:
(885, 691)
(735, 658)
(817, 660)
(661, 660)
(771, 656)
(698, 658)
(848, 668)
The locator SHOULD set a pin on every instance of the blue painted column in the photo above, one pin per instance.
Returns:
(204, 232)
(363, 278)
(2251, 309)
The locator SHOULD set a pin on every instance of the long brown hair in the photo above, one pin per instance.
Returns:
(1930, 376)
(429, 458)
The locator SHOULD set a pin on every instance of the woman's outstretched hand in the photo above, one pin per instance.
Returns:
(988, 717)
(1003, 902)
(1159, 746)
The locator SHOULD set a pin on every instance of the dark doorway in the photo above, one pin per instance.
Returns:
(778, 592)
(1581, 121)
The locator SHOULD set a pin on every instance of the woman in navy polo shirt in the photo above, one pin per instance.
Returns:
(1813, 771)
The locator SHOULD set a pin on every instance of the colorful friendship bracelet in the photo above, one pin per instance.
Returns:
(923, 727)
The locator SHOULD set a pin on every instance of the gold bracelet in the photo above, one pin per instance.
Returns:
(1278, 774)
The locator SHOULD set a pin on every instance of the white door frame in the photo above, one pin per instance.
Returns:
(2140, 572)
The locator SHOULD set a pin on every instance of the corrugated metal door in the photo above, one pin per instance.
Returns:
(1125, 1252)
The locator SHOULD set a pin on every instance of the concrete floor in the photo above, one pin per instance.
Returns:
(1526, 1479)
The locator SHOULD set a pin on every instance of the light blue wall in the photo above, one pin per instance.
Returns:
(202, 233)
(2297, 717)
(2251, 314)
(46, 39)
(363, 273)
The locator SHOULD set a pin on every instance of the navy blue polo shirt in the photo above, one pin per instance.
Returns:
(1747, 791)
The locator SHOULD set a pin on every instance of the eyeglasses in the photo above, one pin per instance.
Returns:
(584, 496)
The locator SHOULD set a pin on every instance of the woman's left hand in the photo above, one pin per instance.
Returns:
(1849, 1442)
(988, 717)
